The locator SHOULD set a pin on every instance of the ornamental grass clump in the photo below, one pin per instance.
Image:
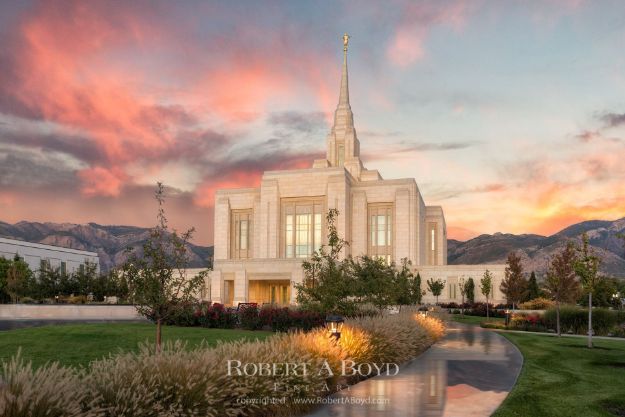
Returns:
(51, 391)
(230, 379)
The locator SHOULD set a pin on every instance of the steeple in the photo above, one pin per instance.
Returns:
(343, 147)
(343, 116)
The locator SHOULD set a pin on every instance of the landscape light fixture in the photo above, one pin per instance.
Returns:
(334, 324)
(507, 317)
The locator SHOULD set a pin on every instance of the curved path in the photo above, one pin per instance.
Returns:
(468, 373)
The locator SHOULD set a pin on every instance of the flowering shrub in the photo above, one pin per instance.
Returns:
(195, 382)
(528, 322)
(216, 316)
(539, 303)
(281, 319)
(248, 317)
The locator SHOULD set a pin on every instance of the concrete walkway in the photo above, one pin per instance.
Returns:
(467, 374)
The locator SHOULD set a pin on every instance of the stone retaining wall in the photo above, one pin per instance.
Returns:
(68, 312)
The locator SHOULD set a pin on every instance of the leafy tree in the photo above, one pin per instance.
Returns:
(328, 285)
(561, 282)
(602, 294)
(587, 269)
(514, 285)
(470, 289)
(533, 290)
(158, 280)
(17, 276)
(376, 282)
(436, 287)
(486, 287)
(406, 286)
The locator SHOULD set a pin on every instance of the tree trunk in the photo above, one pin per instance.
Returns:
(590, 319)
(462, 309)
(558, 318)
(158, 336)
(487, 317)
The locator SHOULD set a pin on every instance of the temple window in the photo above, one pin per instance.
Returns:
(380, 231)
(241, 234)
(302, 221)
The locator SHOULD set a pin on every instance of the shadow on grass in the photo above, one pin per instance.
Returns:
(618, 365)
(614, 406)
(586, 347)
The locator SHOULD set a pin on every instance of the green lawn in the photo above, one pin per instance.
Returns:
(79, 344)
(474, 319)
(561, 377)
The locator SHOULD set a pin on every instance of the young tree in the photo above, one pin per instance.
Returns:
(587, 269)
(533, 290)
(486, 287)
(561, 282)
(157, 279)
(436, 287)
(470, 285)
(463, 292)
(328, 285)
(514, 285)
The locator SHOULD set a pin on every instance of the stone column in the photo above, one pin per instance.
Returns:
(217, 284)
(240, 287)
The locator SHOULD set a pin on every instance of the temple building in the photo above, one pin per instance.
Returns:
(263, 234)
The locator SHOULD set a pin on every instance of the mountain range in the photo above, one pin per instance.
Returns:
(110, 243)
(536, 250)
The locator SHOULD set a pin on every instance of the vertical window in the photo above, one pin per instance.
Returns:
(433, 239)
(241, 234)
(63, 268)
(432, 244)
(81, 268)
(302, 226)
(340, 158)
(380, 231)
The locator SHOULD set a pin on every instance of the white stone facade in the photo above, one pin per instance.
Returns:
(263, 234)
(37, 254)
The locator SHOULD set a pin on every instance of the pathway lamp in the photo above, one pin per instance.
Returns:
(507, 317)
(334, 324)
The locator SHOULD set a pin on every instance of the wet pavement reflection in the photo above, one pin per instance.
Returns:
(468, 373)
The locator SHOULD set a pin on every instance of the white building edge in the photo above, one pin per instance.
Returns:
(39, 255)
(263, 234)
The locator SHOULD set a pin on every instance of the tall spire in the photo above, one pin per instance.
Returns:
(343, 116)
(342, 145)
(344, 94)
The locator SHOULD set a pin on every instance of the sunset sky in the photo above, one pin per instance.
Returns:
(511, 115)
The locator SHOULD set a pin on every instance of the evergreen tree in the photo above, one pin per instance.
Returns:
(533, 291)
(470, 286)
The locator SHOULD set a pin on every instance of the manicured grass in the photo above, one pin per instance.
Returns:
(474, 319)
(561, 377)
(79, 344)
